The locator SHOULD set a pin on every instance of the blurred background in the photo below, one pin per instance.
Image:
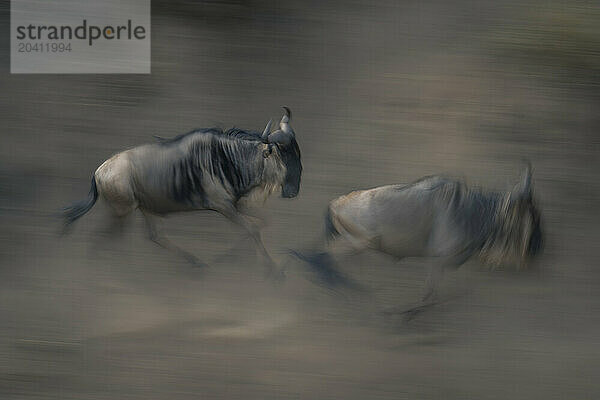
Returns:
(381, 92)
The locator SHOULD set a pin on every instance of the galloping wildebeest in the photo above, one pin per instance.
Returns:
(435, 217)
(205, 169)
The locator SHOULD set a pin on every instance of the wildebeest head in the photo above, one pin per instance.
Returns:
(529, 215)
(518, 234)
(522, 233)
(284, 141)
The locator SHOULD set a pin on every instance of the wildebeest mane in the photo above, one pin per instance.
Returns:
(473, 209)
(234, 133)
(231, 158)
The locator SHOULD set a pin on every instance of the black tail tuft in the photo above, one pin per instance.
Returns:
(330, 231)
(74, 211)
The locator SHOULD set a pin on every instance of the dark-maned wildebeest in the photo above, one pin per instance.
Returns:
(205, 169)
(434, 217)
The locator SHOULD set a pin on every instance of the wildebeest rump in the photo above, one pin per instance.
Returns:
(205, 169)
(436, 217)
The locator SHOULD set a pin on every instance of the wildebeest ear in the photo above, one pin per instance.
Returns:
(267, 131)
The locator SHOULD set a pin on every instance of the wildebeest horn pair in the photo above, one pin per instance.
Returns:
(284, 134)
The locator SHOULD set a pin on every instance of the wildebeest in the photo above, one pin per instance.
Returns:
(436, 217)
(205, 169)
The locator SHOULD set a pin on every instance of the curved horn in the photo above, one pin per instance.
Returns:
(267, 130)
(288, 114)
(284, 124)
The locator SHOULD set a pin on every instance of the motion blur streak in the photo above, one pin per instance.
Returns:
(382, 92)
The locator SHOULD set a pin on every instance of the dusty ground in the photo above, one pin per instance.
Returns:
(381, 94)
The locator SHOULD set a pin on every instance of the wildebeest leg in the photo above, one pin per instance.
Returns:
(163, 241)
(446, 246)
(111, 233)
(115, 226)
(436, 273)
(241, 240)
(430, 297)
(253, 230)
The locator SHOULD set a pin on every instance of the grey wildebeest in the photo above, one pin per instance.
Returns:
(205, 169)
(436, 217)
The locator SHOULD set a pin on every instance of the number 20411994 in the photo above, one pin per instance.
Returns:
(27, 47)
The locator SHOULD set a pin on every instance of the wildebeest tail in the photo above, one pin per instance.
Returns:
(76, 210)
(330, 229)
